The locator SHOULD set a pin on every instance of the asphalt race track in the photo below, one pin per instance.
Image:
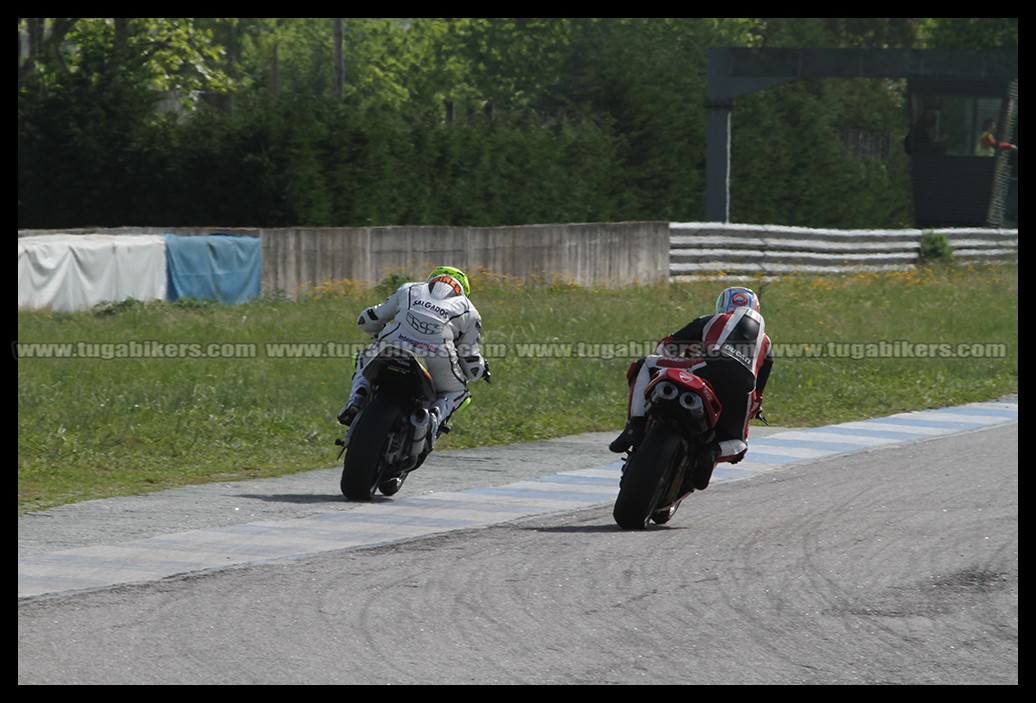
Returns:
(281, 581)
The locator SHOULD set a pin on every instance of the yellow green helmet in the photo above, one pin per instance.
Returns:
(451, 276)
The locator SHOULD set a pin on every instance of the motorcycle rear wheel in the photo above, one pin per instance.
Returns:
(361, 469)
(647, 478)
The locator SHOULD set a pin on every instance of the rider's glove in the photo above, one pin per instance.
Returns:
(476, 367)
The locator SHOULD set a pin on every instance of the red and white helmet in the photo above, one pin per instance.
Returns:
(736, 297)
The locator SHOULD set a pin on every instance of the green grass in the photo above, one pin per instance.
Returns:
(847, 349)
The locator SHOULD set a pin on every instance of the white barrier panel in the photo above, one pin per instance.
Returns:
(714, 248)
(70, 272)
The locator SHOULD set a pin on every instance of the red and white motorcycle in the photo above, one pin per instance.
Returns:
(676, 455)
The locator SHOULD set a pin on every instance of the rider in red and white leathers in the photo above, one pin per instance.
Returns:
(437, 321)
(731, 350)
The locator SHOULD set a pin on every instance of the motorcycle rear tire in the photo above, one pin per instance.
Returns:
(648, 476)
(361, 470)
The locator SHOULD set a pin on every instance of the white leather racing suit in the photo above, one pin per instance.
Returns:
(445, 332)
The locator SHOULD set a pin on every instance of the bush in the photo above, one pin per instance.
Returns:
(935, 249)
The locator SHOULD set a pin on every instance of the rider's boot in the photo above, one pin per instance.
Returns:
(357, 399)
(440, 411)
(729, 450)
(631, 436)
(732, 450)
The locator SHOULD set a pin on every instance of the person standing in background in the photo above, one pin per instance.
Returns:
(988, 144)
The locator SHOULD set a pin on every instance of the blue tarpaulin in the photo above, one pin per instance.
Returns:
(222, 267)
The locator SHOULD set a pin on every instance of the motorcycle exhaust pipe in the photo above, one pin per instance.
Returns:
(692, 403)
(421, 421)
(665, 391)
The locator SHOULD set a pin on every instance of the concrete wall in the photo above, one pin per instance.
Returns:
(591, 254)
(609, 254)
(603, 254)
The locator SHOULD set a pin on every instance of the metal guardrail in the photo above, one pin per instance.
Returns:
(713, 248)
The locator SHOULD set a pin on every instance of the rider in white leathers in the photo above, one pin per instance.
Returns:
(436, 320)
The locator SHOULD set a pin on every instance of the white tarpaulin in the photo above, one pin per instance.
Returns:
(69, 272)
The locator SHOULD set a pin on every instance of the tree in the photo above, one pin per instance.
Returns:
(554, 119)
(168, 54)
